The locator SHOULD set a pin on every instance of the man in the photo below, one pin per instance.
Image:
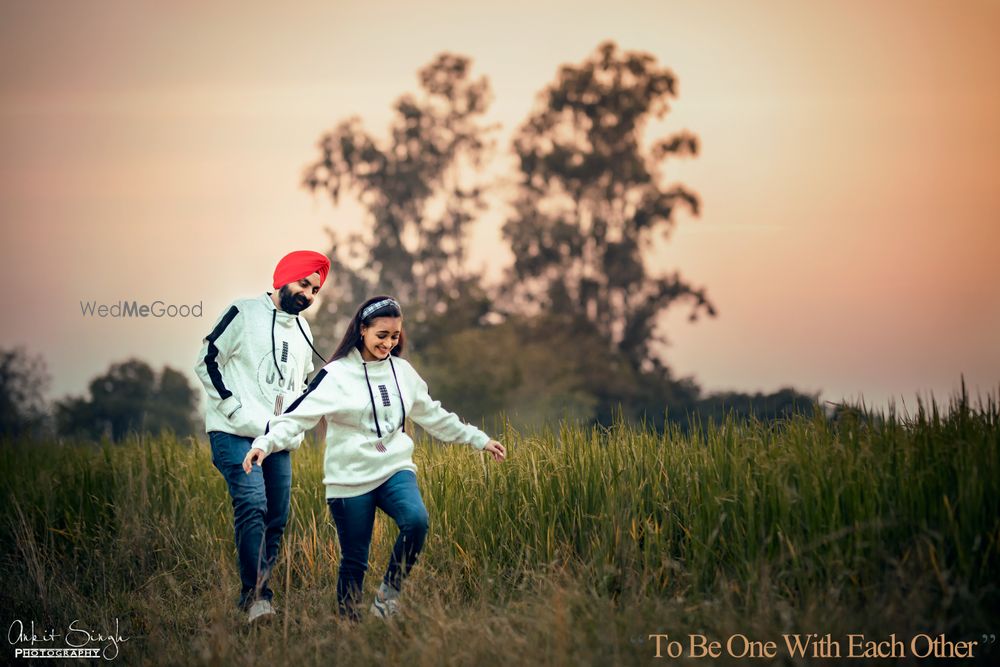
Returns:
(254, 363)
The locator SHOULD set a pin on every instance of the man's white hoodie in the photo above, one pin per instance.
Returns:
(253, 365)
(366, 405)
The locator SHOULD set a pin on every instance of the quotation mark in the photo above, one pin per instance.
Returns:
(987, 640)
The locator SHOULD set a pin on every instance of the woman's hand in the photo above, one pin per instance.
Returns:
(498, 451)
(253, 456)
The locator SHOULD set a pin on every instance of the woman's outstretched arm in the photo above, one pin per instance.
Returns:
(304, 413)
(447, 426)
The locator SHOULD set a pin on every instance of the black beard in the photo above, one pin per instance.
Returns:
(293, 304)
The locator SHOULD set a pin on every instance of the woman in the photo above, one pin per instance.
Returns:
(366, 393)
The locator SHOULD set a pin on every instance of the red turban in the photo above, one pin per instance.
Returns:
(299, 264)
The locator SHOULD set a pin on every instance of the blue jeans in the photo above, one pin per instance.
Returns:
(398, 497)
(260, 509)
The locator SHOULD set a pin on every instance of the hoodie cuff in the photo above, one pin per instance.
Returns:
(263, 443)
(229, 406)
(480, 440)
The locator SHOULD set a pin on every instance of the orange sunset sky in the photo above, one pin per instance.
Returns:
(849, 172)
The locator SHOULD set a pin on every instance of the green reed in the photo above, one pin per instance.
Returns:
(776, 521)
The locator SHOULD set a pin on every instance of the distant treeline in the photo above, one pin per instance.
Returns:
(131, 397)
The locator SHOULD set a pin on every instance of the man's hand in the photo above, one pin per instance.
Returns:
(253, 456)
(498, 451)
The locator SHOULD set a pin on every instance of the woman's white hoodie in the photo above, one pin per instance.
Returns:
(366, 405)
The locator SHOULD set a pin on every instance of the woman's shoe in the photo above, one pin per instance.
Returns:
(386, 602)
(260, 610)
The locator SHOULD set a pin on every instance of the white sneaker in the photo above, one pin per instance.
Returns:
(386, 602)
(260, 610)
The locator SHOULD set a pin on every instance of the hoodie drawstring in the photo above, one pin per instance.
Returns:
(378, 429)
(297, 321)
(399, 391)
(274, 355)
(371, 396)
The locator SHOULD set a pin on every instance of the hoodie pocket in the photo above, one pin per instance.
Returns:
(243, 423)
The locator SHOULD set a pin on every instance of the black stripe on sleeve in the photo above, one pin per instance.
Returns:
(210, 359)
(312, 386)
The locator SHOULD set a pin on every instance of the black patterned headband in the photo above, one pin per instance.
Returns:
(378, 305)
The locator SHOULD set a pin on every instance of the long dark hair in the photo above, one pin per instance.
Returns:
(352, 337)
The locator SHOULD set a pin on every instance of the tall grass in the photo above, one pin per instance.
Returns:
(577, 548)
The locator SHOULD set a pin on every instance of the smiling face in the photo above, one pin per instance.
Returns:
(296, 297)
(379, 337)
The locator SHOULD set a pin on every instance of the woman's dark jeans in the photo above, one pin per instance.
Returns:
(260, 509)
(398, 497)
